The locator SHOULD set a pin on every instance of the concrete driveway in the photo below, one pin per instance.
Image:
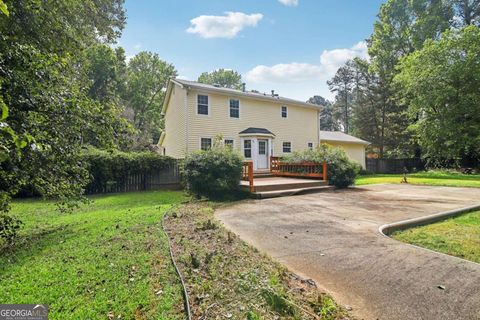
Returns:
(333, 238)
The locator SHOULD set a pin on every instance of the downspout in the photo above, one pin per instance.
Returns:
(186, 121)
(318, 128)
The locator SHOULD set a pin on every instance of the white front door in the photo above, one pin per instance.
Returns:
(262, 157)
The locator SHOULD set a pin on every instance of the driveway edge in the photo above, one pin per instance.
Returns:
(388, 229)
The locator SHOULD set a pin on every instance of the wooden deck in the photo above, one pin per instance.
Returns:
(283, 186)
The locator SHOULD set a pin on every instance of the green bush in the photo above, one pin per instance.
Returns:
(215, 173)
(9, 227)
(109, 168)
(341, 170)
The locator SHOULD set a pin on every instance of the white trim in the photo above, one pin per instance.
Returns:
(228, 138)
(242, 148)
(291, 146)
(239, 108)
(200, 142)
(257, 135)
(281, 111)
(208, 105)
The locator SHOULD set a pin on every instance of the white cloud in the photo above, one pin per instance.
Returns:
(305, 79)
(227, 26)
(137, 47)
(292, 72)
(290, 3)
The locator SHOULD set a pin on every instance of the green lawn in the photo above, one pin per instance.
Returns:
(107, 259)
(435, 178)
(458, 236)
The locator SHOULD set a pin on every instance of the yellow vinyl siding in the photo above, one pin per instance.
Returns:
(299, 128)
(175, 124)
(354, 151)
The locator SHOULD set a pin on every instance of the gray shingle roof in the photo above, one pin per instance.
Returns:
(256, 131)
(250, 94)
(340, 137)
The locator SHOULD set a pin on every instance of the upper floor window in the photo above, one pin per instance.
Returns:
(234, 108)
(287, 147)
(284, 111)
(205, 144)
(202, 104)
(310, 146)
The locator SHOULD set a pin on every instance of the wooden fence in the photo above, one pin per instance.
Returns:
(166, 178)
(394, 165)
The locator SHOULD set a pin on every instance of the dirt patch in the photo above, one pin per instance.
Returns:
(228, 279)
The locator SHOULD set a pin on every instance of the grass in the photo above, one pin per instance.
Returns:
(459, 236)
(434, 178)
(108, 259)
(228, 279)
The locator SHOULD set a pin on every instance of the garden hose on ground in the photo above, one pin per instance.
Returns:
(182, 281)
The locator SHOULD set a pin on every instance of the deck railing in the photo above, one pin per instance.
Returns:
(303, 169)
(247, 174)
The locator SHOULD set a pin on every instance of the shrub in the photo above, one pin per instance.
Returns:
(215, 173)
(113, 168)
(341, 170)
(9, 227)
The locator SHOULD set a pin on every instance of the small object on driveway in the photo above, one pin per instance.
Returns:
(286, 237)
(441, 287)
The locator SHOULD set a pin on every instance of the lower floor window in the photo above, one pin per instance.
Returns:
(310, 146)
(247, 148)
(228, 143)
(205, 144)
(287, 147)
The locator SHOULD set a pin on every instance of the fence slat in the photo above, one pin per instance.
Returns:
(383, 165)
(168, 177)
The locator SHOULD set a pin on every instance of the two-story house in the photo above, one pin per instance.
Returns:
(258, 125)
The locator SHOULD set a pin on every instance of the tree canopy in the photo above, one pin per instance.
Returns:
(440, 83)
(222, 77)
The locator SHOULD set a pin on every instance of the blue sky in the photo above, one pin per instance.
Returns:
(292, 46)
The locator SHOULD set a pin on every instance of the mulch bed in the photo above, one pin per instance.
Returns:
(228, 279)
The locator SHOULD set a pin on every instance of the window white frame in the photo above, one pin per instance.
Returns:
(310, 145)
(287, 145)
(244, 149)
(230, 108)
(284, 110)
(197, 104)
(229, 139)
(200, 142)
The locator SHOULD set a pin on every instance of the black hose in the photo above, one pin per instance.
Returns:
(185, 293)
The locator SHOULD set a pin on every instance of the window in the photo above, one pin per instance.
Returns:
(310, 146)
(202, 104)
(205, 144)
(234, 108)
(287, 147)
(284, 111)
(247, 148)
(228, 143)
(262, 147)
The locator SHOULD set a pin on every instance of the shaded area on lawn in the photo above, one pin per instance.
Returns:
(107, 259)
(434, 178)
(459, 236)
(226, 278)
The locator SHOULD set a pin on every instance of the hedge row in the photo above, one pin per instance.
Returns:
(115, 167)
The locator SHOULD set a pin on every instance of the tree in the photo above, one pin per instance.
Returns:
(147, 78)
(440, 83)
(328, 117)
(467, 12)
(342, 84)
(43, 89)
(222, 77)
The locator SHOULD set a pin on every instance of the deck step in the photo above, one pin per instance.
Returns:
(290, 192)
(289, 185)
(262, 175)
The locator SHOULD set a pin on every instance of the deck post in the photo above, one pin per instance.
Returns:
(325, 177)
(250, 176)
